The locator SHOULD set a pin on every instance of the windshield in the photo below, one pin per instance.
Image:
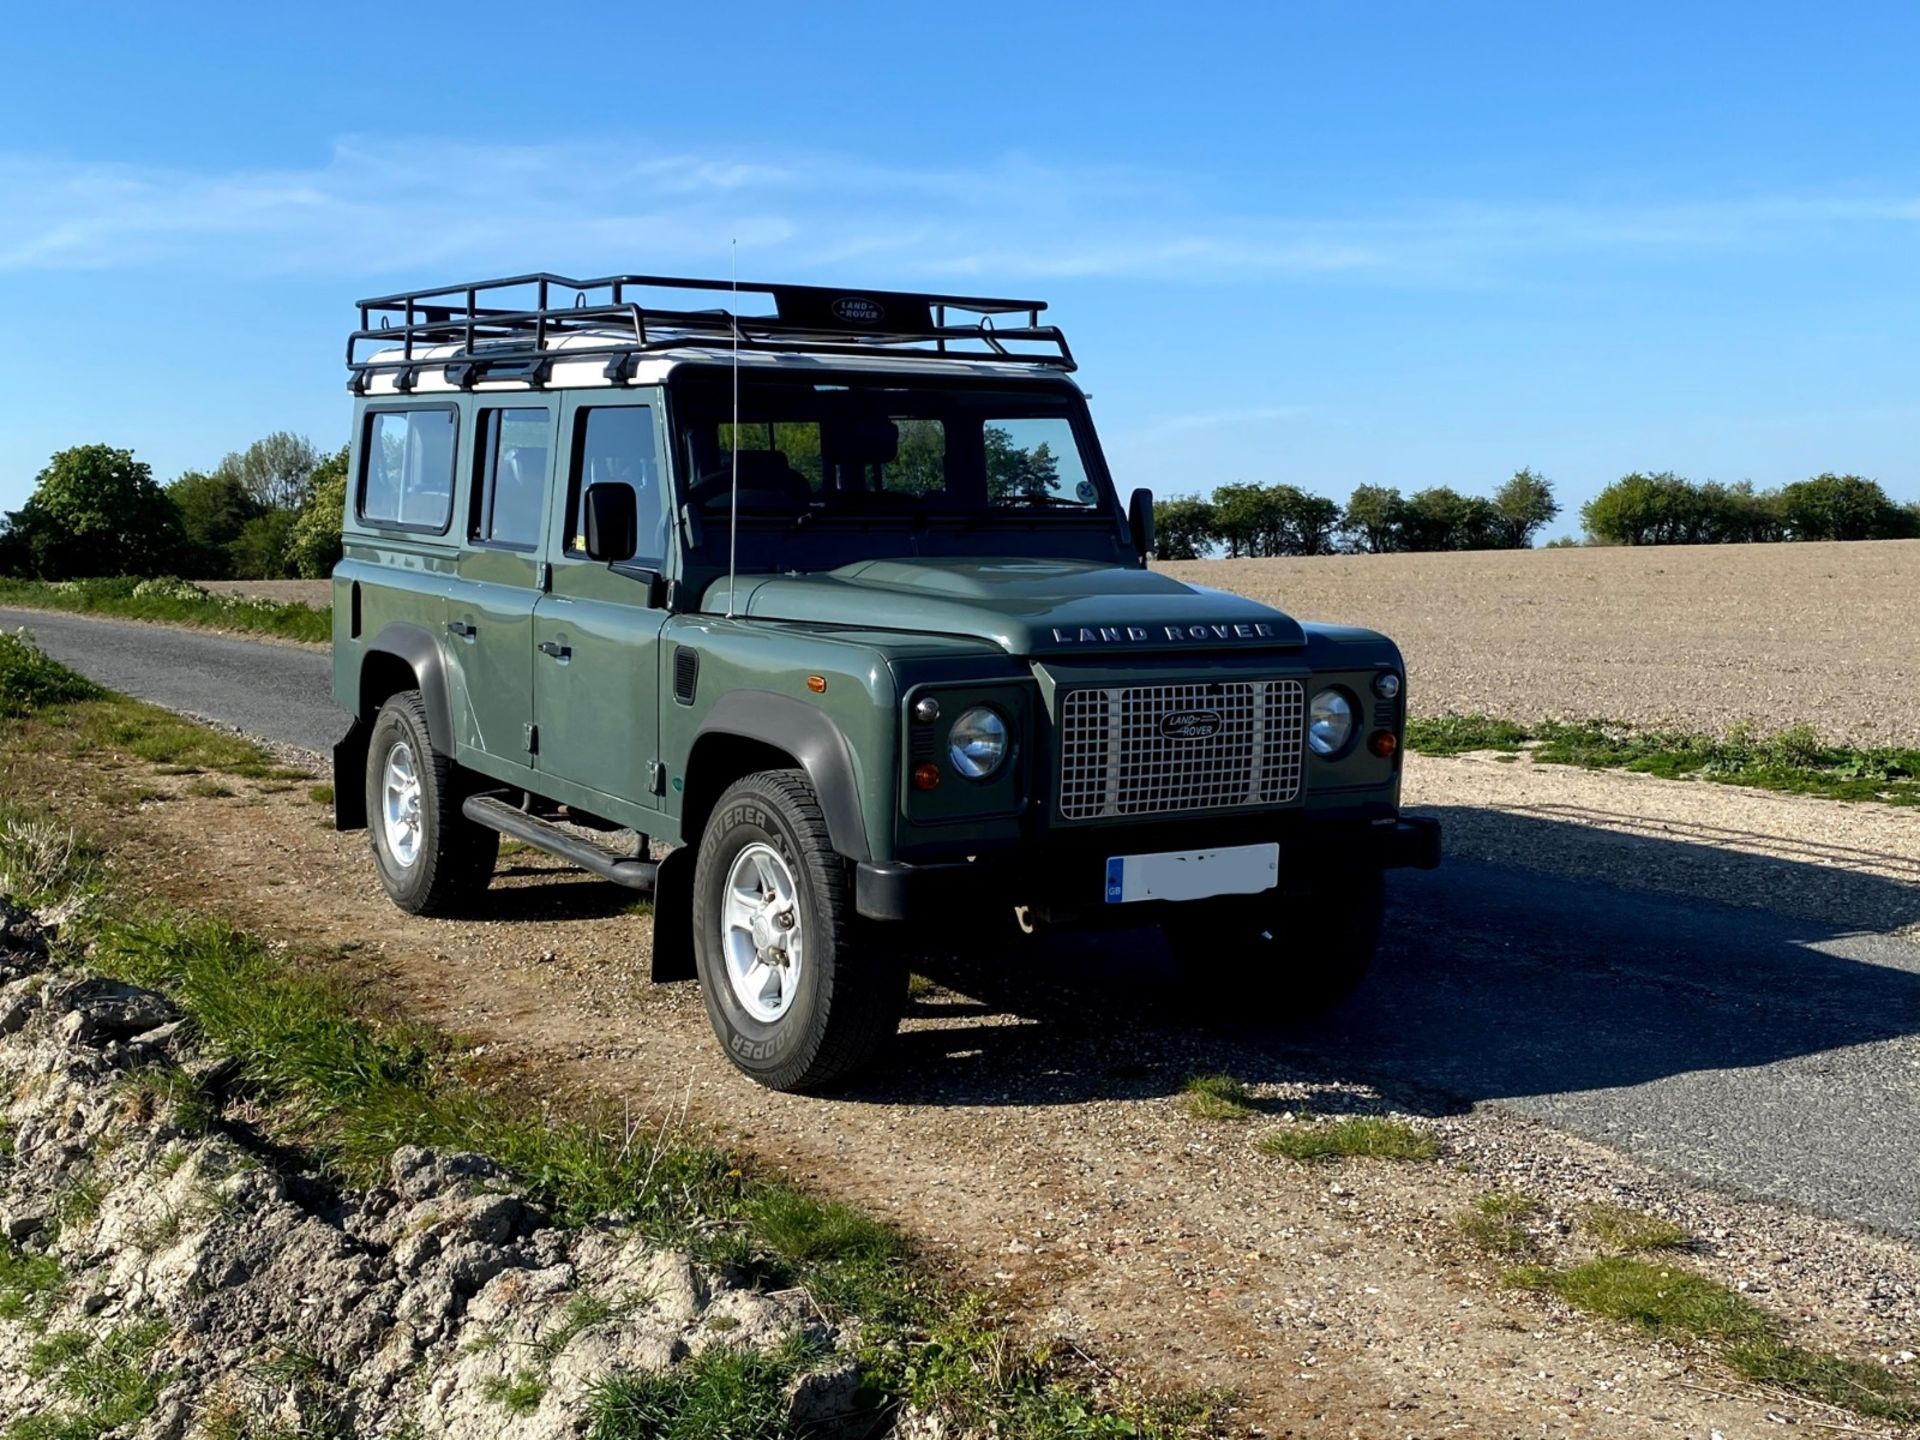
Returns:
(819, 449)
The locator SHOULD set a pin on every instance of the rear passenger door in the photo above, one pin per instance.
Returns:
(597, 630)
(499, 576)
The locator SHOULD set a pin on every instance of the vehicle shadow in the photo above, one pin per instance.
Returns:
(1494, 983)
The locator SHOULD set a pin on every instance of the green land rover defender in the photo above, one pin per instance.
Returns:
(825, 627)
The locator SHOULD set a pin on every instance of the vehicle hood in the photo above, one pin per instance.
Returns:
(1026, 607)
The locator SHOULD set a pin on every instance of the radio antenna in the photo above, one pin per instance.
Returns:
(733, 506)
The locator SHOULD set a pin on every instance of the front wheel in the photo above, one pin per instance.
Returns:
(800, 992)
(1305, 952)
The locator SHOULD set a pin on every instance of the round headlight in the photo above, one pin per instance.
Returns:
(1329, 722)
(977, 744)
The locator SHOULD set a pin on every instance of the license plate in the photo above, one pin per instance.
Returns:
(1193, 874)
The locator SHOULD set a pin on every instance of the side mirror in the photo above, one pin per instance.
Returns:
(1140, 518)
(613, 521)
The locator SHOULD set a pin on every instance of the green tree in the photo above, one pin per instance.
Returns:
(1304, 524)
(1372, 519)
(214, 509)
(1440, 518)
(313, 544)
(1184, 528)
(1243, 518)
(262, 550)
(1640, 509)
(95, 510)
(1525, 506)
(276, 470)
(1840, 507)
(1735, 514)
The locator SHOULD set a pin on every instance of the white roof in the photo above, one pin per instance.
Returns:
(653, 368)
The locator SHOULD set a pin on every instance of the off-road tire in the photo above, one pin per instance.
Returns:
(852, 986)
(455, 857)
(1318, 946)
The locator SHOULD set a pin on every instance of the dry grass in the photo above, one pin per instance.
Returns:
(1691, 637)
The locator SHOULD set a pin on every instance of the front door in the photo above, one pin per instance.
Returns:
(498, 577)
(596, 689)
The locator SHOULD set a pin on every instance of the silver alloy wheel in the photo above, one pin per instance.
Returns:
(400, 829)
(761, 932)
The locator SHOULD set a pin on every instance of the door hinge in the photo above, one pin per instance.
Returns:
(532, 739)
(656, 778)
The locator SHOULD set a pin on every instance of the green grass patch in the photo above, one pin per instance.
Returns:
(1663, 1300)
(320, 794)
(1216, 1097)
(110, 1382)
(29, 681)
(1497, 1223)
(1368, 1137)
(519, 1394)
(1677, 1304)
(1795, 760)
(177, 602)
(1625, 1231)
(29, 1282)
(720, 1394)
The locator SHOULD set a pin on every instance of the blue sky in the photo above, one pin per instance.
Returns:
(1322, 244)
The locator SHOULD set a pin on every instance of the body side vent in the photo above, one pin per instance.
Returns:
(686, 674)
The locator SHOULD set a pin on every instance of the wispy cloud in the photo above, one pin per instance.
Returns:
(383, 205)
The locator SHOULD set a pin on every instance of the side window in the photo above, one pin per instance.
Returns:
(406, 468)
(614, 445)
(510, 489)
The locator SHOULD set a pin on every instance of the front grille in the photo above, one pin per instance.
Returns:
(1122, 754)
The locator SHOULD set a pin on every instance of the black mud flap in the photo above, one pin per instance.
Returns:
(350, 779)
(673, 918)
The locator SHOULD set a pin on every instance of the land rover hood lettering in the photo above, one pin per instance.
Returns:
(1025, 607)
(1178, 634)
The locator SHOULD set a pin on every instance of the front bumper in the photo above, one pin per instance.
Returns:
(1071, 880)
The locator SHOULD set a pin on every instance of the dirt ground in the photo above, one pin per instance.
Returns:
(1035, 1142)
(1698, 636)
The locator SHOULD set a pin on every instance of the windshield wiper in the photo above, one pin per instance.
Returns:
(1044, 502)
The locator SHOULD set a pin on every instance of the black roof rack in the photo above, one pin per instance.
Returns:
(497, 334)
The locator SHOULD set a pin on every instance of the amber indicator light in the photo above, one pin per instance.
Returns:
(817, 684)
(1383, 743)
(926, 776)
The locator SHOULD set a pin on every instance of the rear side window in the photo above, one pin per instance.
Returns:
(511, 494)
(614, 445)
(406, 469)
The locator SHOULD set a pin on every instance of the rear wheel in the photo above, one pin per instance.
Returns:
(1304, 953)
(800, 991)
(431, 858)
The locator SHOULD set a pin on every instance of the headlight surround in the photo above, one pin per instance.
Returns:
(978, 743)
(1330, 722)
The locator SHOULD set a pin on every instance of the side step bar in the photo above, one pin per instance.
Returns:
(496, 814)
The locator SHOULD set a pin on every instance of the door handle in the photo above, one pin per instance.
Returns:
(556, 649)
(462, 629)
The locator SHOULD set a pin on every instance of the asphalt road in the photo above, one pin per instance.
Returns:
(1761, 1054)
(274, 692)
